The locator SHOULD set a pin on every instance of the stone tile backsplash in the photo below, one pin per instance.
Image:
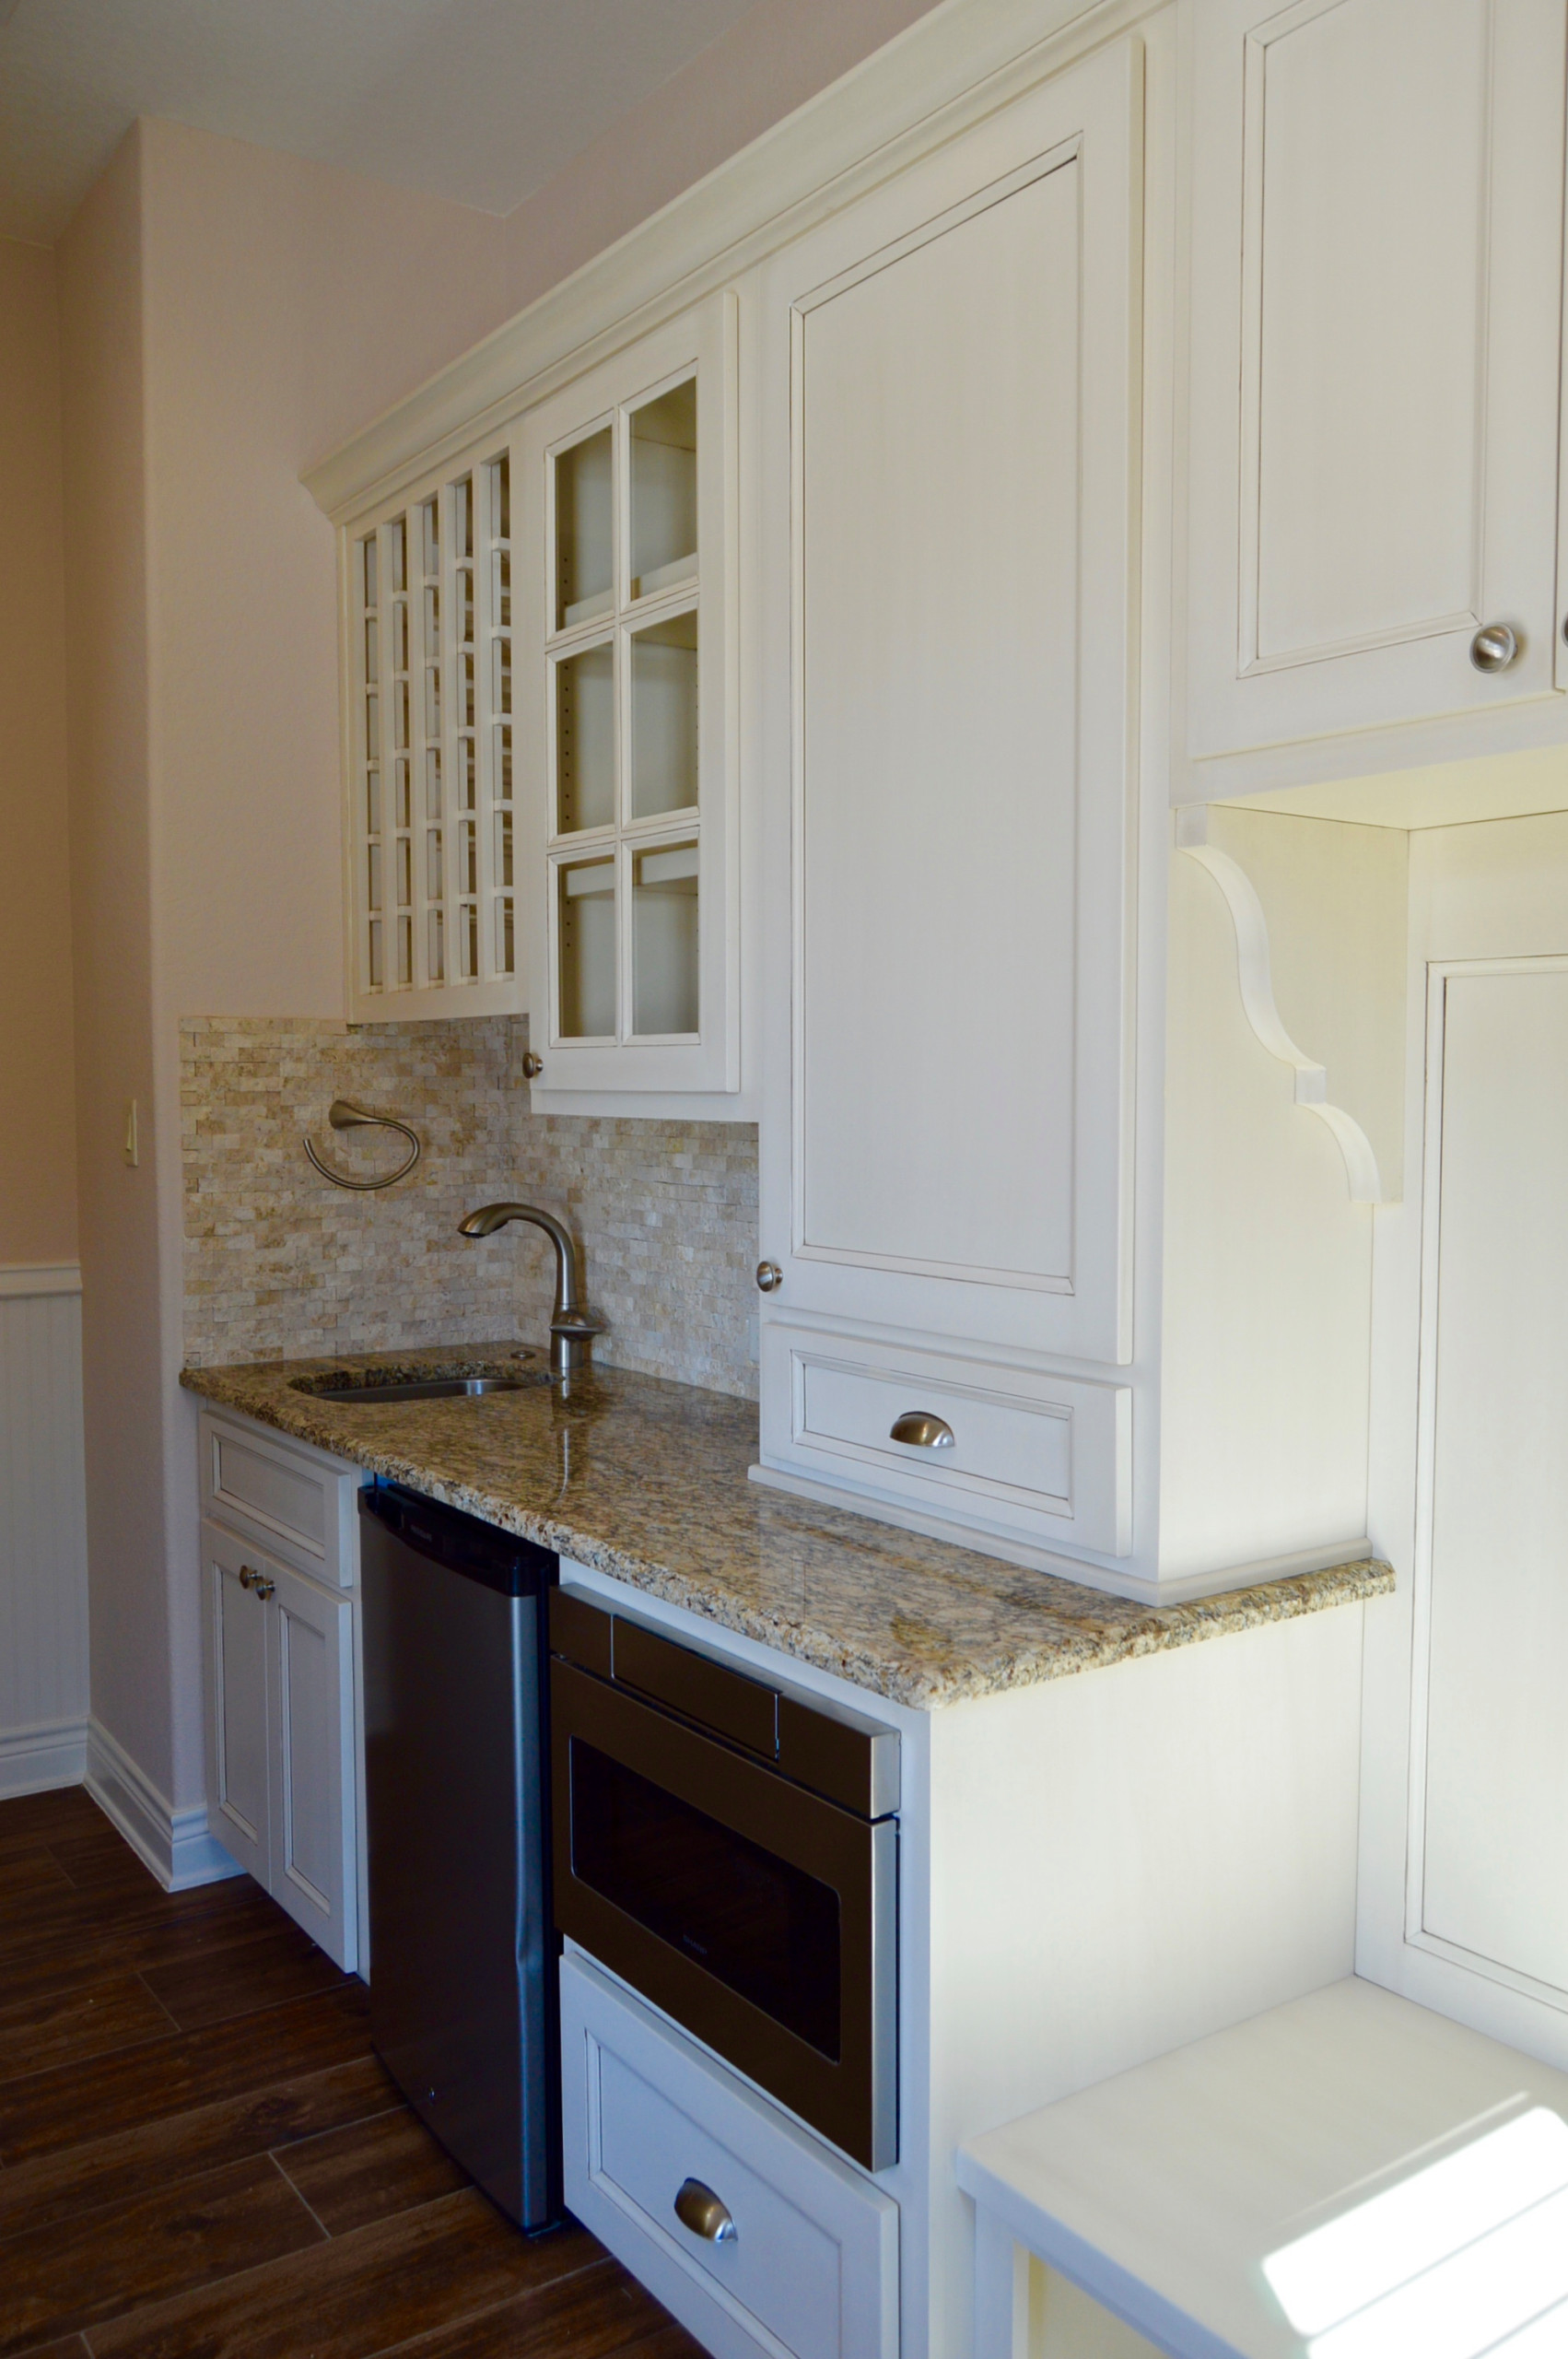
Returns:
(281, 1264)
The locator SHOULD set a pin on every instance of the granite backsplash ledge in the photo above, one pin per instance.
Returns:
(280, 1264)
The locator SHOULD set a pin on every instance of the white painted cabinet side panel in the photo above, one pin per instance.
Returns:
(1487, 893)
(43, 1596)
(1496, 1737)
(1125, 1861)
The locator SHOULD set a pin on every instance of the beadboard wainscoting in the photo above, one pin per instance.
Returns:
(43, 1562)
(279, 1263)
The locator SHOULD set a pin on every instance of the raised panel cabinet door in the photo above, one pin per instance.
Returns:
(1494, 1840)
(961, 353)
(314, 1851)
(234, 1617)
(1376, 339)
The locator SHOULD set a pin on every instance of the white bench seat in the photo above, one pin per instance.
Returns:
(1428, 2164)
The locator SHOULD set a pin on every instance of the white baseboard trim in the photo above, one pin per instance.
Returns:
(175, 1844)
(34, 1760)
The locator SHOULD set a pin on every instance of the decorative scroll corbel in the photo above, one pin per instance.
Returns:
(1255, 975)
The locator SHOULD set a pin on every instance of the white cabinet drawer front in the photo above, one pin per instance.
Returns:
(293, 1500)
(811, 2267)
(778, 2265)
(1049, 1454)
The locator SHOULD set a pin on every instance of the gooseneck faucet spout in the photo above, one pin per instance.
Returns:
(572, 1325)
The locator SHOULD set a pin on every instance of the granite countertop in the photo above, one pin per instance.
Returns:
(647, 1481)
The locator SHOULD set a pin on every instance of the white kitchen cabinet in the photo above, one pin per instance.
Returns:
(627, 719)
(430, 767)
(952, 371)
(1373, 423)
(281, 1734)
(812, 2264)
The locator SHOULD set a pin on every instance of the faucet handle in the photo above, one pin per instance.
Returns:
(578, 1323)
(571, 1341)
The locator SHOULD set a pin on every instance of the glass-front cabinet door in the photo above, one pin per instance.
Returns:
(430, 840)
(627, 712)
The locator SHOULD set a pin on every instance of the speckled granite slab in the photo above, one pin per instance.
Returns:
(647, 1481)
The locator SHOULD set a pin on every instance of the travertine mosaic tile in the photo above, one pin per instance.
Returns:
(281, 1264)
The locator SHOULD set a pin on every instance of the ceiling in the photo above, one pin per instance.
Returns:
(480, 100)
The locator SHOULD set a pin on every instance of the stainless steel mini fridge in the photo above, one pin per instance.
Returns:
(462, 1962)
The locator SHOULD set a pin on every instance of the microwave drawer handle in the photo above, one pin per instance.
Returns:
(698, 2209)
(922, 1429)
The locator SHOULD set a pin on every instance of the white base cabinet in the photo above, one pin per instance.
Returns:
(811, 2268)
(280, 1735)
(281, 1646)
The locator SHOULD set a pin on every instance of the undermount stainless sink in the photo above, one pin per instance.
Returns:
(351, 1390)
(437, 1387)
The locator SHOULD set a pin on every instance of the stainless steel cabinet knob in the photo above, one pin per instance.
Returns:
(533, 1066)
(1494, 648)
(769, 1278)
(921, 1430)
(250, 1578)
(265, 1588)
(698, 2209)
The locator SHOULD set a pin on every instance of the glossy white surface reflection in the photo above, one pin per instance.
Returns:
(1455, 2260)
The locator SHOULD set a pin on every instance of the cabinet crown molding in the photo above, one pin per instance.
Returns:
(942, 73)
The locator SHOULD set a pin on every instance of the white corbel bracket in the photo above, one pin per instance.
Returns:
(1315, 1087)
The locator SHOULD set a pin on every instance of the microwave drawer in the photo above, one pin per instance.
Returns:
(294, 1500)
(812, 2261)
(1048, 1457)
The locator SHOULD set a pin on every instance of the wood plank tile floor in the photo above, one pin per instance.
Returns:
(202, 2158)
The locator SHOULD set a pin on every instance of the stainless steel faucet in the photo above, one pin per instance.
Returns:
(572, 1325)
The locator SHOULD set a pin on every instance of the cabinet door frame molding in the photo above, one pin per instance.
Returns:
(1487, 923)
(1416, 1934)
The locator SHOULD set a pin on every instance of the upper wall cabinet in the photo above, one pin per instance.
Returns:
(626, 711)
(431, 769)
(952, 418)
(1377, 268)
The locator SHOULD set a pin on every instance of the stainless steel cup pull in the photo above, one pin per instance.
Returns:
(1494, 648)
(921, 1430)
(698, 2209)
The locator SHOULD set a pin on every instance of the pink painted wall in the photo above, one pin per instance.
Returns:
(285, 304)
(106, 563)
(38, 1152)
(773, 59)
(229, 314)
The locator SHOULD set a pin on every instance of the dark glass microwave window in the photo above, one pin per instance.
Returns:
(760, 1924)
